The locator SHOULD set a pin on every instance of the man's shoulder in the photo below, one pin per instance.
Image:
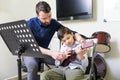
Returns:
(54, 20)
(32, 19)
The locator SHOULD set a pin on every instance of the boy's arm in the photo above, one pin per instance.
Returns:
(82, 56)
(79, 38)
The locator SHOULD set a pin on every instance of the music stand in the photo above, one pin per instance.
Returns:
(20, 41)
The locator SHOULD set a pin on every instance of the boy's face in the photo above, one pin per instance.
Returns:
(68, 39)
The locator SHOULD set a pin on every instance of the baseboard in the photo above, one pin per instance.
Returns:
(16, 77)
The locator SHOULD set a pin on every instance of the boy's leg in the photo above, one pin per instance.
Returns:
(74, 74)
(53, 74)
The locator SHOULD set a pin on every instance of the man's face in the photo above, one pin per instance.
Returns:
(45, 18)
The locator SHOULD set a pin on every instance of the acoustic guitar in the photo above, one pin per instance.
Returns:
(72, 55)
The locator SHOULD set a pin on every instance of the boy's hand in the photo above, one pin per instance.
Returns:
(81, 52)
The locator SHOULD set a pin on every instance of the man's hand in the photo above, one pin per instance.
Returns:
(54, 54)
(57, 55)
(61, 56)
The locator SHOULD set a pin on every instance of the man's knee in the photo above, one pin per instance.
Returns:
(31, 68)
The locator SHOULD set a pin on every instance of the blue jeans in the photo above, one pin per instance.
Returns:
(32, 65)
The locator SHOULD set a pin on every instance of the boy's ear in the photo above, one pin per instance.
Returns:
(73, 36)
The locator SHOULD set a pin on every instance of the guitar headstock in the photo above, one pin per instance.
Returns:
(88, 44)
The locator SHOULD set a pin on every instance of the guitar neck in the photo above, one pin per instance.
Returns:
(88, 44)
(85, 45)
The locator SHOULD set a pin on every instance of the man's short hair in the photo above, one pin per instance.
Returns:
(42, 6)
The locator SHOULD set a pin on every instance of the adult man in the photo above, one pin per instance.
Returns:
(43, 28)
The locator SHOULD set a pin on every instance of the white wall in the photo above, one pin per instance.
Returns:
(17, 9)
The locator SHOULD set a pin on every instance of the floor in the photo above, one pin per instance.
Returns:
(26, 78)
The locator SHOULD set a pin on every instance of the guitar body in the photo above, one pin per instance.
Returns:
(66, 62)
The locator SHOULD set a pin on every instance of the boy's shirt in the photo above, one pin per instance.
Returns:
(77, 63)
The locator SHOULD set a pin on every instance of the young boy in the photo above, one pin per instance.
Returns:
(76, 66)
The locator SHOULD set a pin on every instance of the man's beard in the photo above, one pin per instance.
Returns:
(45, 24)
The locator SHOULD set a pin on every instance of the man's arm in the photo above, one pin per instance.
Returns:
(53, 54)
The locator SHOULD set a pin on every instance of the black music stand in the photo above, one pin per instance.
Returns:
(20, 41)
